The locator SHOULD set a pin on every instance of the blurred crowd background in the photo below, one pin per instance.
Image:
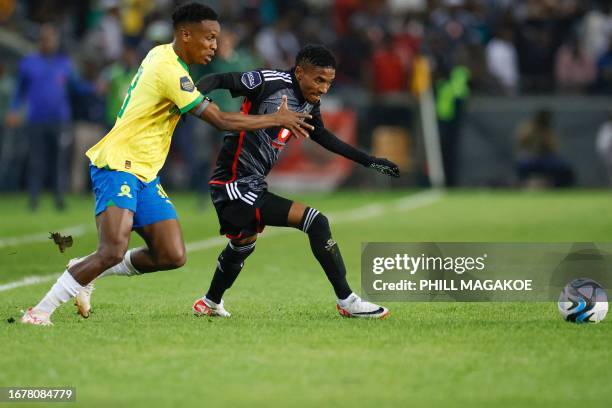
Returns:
(522, 88)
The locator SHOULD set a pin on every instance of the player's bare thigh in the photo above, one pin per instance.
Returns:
(296, 213)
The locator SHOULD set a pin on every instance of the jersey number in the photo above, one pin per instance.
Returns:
(129, 93)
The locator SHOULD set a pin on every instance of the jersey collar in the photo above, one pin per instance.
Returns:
(184, 65)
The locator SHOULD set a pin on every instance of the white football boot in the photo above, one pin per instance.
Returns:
(36, 317)
(83, 299)
(354, 306)
(206, 307)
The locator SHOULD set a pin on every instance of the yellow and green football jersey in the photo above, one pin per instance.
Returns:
(160, 92)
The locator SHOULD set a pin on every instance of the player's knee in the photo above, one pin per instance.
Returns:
(177, 259)
(317, 225)
(111, 255)
(172, 259)
(235, 253)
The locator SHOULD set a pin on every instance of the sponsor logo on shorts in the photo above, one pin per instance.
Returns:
(128, 164)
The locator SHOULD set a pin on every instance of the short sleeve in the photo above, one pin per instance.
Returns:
(177, 85)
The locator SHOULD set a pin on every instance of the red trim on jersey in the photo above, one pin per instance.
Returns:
(245, 108)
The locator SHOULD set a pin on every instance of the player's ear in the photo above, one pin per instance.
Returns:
(299, 72)
(185, 34)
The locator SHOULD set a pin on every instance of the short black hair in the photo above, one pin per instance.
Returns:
(192, 13)
(317, 55)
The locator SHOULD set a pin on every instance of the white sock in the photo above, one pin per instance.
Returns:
(62, 291)
(123, 268)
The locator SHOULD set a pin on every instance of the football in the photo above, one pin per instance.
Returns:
(583, 301)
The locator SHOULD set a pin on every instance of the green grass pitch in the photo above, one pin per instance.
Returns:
(285, 345)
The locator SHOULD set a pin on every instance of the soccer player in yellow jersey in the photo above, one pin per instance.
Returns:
(125, 163)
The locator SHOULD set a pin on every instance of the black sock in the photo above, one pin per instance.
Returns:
(229, 265)
(326, 250)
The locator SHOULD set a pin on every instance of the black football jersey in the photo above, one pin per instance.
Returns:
(247, 157)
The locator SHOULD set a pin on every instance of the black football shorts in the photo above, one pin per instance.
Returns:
(243, 213)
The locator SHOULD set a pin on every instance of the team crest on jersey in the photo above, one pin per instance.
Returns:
(251, 79)
(283, 135)
(186, 84)
(281, 139)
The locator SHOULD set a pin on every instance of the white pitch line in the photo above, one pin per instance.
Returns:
(75, 231)
(409, 203)
(30, 280)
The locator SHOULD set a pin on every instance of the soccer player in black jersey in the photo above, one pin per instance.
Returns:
(239, 190)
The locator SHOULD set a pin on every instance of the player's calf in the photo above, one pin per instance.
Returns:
(229, 264)
(326, 250)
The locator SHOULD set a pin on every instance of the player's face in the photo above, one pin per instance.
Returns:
(202, 43)
(314, 81)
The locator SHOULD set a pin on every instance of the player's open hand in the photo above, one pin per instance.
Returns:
(295, 122)
(384, 166)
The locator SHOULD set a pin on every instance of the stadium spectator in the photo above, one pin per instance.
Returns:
(88, 110)
(574, 68)
(354, 51)
(389, 74)
(277, 44)
(539, 163)
(43, 84)
(536, 51)
(108, 36)
(456, 25)
(604, 145)
(604, 72)
(502, 60)
(452, 91)
(115, 81)
(596, 29)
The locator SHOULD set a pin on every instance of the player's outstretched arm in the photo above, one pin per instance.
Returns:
(223, 80)
(329, 141)
(234, 121)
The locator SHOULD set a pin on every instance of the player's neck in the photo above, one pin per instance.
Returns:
(178, 50)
